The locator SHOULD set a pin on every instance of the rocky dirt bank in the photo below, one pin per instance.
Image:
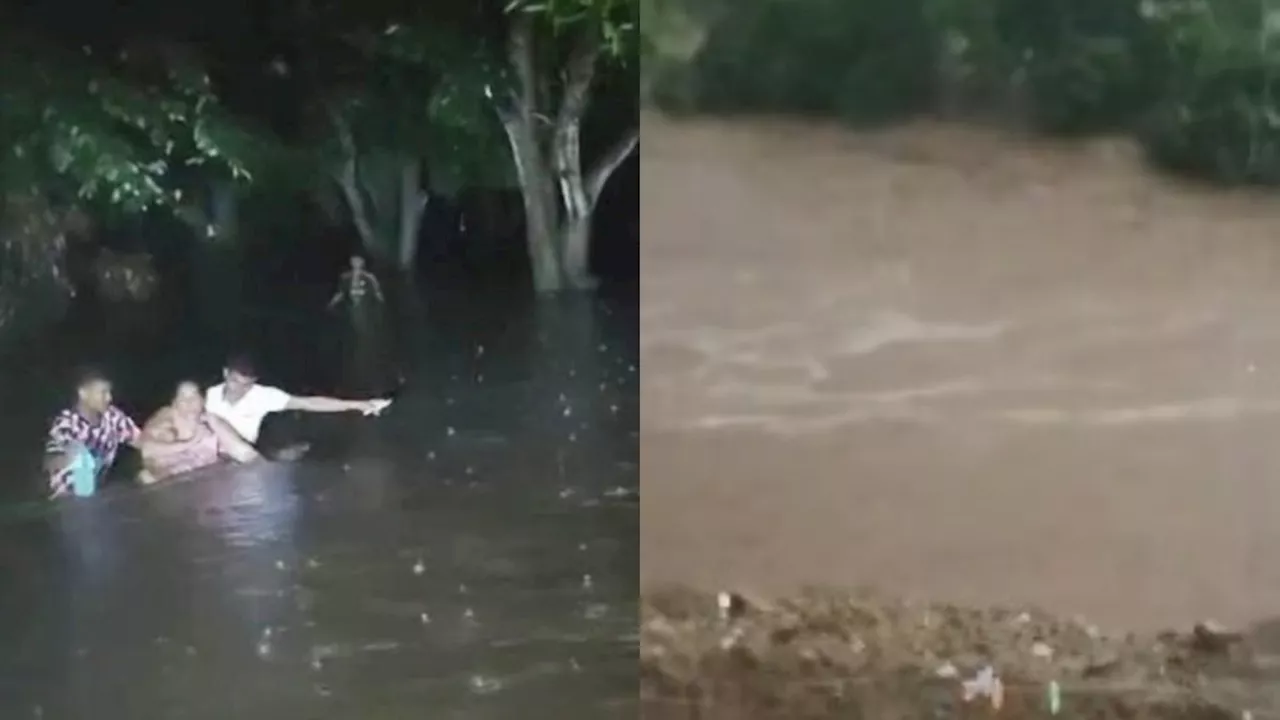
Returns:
(857, 655)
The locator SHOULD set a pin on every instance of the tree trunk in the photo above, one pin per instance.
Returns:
(566, 159)
(532, 169)
(575, 234)
(224, 206)
(349, 181)
(580, 196)
(542, 238)
(559, 228)
(413, 204)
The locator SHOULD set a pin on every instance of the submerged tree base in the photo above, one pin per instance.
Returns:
(861, 655)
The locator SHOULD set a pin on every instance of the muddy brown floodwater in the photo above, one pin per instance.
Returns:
(470, 554)
(958, 365)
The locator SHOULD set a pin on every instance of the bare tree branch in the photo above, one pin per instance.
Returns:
(609, 162)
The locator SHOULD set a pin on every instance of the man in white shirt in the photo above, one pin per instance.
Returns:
(244, 403)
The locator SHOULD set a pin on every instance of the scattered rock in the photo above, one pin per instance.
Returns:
(863, 655)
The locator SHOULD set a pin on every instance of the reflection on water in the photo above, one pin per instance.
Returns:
(473, 554)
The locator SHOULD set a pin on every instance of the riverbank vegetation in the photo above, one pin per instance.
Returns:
(1196, 82)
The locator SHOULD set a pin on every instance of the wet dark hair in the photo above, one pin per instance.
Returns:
(89, 375)
(242, 364)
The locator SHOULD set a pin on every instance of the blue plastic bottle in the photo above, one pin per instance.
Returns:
(84, 472)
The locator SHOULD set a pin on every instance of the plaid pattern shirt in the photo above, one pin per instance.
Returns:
(102, 438)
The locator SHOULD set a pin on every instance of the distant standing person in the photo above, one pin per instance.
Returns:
(84, 439)
(244, 403)
(368, 360)
(355, 283)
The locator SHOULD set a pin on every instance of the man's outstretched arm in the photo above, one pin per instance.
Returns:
(322, 404)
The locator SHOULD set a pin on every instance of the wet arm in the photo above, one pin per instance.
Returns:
(56, 446)
(377, 287)
(55, 463)
(230, 442)
(130, 433)
(322, 404)
(159, 428)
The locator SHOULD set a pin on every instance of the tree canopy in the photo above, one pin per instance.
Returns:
(389, 104)
(112, 122)
(1195, 81)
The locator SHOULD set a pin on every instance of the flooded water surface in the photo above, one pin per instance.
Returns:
(471, 554)
(961, 365)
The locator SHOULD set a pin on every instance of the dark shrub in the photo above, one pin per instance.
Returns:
(862, 60)
(1088, 65)
(1197, 79)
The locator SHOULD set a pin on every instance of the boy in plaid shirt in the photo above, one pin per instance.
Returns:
(83, 439)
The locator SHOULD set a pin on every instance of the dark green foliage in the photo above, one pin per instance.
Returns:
(1087, 65)
(829, 59)
(1223, 128)
(1196, 81)
(1218, 116)
(104, 129)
